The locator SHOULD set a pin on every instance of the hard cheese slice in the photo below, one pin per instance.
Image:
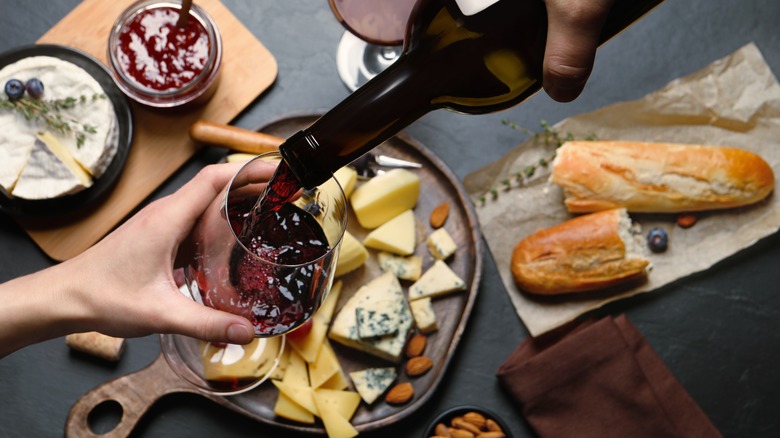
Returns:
(336, 426)
(385, 197)
(352, 255)
(309, 346)
(396, 236)
(371, 383)
(437, 280)
(344, 328)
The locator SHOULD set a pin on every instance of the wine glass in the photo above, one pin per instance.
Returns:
(373, 39)
(275, 273)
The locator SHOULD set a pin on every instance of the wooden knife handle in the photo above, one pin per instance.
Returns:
(134, 393)
(234, 138)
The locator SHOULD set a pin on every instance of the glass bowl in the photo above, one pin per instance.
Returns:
(145, 71)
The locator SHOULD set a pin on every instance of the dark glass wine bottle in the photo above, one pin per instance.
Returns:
(478, 63)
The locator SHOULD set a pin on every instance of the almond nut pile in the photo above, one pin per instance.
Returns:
(469, 425)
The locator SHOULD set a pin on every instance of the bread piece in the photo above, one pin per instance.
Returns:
(658, 177)
(586, 253)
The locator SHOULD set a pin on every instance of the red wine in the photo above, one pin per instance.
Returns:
(482, 58)
(381, 22)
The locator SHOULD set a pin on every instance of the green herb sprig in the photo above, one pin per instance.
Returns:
(550, 136)
(50, 112)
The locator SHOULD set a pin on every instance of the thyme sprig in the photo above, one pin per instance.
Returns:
(50, 112)
(550, 136)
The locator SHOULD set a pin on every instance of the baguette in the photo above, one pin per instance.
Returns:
(586, 253)
(658, 177)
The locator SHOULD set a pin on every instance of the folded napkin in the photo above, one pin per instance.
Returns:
(600, 379)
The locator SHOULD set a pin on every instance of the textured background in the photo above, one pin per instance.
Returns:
(717, 332)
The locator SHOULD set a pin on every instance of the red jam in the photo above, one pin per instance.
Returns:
(159, 55)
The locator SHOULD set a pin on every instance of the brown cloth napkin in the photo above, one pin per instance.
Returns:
(600, 379)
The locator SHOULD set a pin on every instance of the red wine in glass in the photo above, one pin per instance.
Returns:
(375, 33)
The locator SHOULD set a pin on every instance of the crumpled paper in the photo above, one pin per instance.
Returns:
(735, 101)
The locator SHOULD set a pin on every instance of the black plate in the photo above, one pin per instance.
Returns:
(68, 204)
(456, 411)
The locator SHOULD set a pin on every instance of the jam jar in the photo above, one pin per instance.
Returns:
(160, 64)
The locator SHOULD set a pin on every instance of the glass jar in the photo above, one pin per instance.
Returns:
(159, 64)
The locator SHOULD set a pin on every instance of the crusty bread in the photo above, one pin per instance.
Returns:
(585, 253)
(658, 177)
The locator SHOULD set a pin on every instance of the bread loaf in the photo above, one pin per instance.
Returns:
(658, 177)
(586, 253)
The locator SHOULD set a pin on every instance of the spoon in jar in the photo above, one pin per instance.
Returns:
(184, 13)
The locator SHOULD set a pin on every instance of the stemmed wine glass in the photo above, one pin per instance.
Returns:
(275, 269)
(373, 39)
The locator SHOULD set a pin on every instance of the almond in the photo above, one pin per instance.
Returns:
(492, 426)
(460, 423)
(441, 430)
(400, 394)
(439, 215)
(491, 435)
(416, 345)
(475, 418)
(686, 220)
(417, 366)
(460, 433)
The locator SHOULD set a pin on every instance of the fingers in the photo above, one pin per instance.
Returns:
(573, 32)
(201, 322)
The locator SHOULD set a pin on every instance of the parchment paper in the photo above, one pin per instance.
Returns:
(735, 101)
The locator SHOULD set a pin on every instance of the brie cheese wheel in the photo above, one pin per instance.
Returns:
(47, 175)
(61, 79)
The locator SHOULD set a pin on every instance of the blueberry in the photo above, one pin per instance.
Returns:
(14, 89)
(657, 240)
(34, 88)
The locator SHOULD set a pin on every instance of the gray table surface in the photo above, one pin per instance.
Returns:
(719, 332)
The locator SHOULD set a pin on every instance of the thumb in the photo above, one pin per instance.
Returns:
(207, 324)
(573, 31)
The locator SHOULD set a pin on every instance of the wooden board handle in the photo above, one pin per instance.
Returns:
(134, 392)
(234, 138)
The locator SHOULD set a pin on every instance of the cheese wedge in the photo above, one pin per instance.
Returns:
(301, 395)
(405, 268)
(336, 381)
(345, 403)
(297, 373)
(286, 408)
(396, 236)
(309, 346)
(371, 383)
(50, 172)
(336, 426)
(436, 281)
(441, 245)
(344, 328)
(385, 197)
(352, 255)
(424, 317)
(326, 365)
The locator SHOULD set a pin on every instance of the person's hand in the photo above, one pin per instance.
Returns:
(124, 285)
(573, 29)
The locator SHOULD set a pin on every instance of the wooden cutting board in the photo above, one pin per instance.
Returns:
(160, 141)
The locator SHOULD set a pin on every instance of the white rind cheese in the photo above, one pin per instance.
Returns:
(436, 281)
(61, 79)
(371, 383)
(47, 176)
(344, 329)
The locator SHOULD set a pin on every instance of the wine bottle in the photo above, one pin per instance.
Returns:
(470, 56)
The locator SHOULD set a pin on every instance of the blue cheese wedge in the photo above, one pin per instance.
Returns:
(344, 328)
(371, 383)
(424, 316)
(405, 268)
(441, 245)
(438, 280)
(377, 318)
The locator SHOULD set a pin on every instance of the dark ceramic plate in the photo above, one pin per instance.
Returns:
(54, 207)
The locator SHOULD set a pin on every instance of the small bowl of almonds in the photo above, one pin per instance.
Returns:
(467, 422)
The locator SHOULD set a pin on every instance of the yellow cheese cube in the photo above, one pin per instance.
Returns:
(352, 255)
(385, 197)
(397, 236)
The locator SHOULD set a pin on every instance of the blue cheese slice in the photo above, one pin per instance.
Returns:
(377, 318)
(405, 268)
(371, 383)
(438, 280)
(344, 329)
(440, 244)
(424, 316)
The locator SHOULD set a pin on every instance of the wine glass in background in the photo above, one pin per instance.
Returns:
(273, 266)
(373, 39)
